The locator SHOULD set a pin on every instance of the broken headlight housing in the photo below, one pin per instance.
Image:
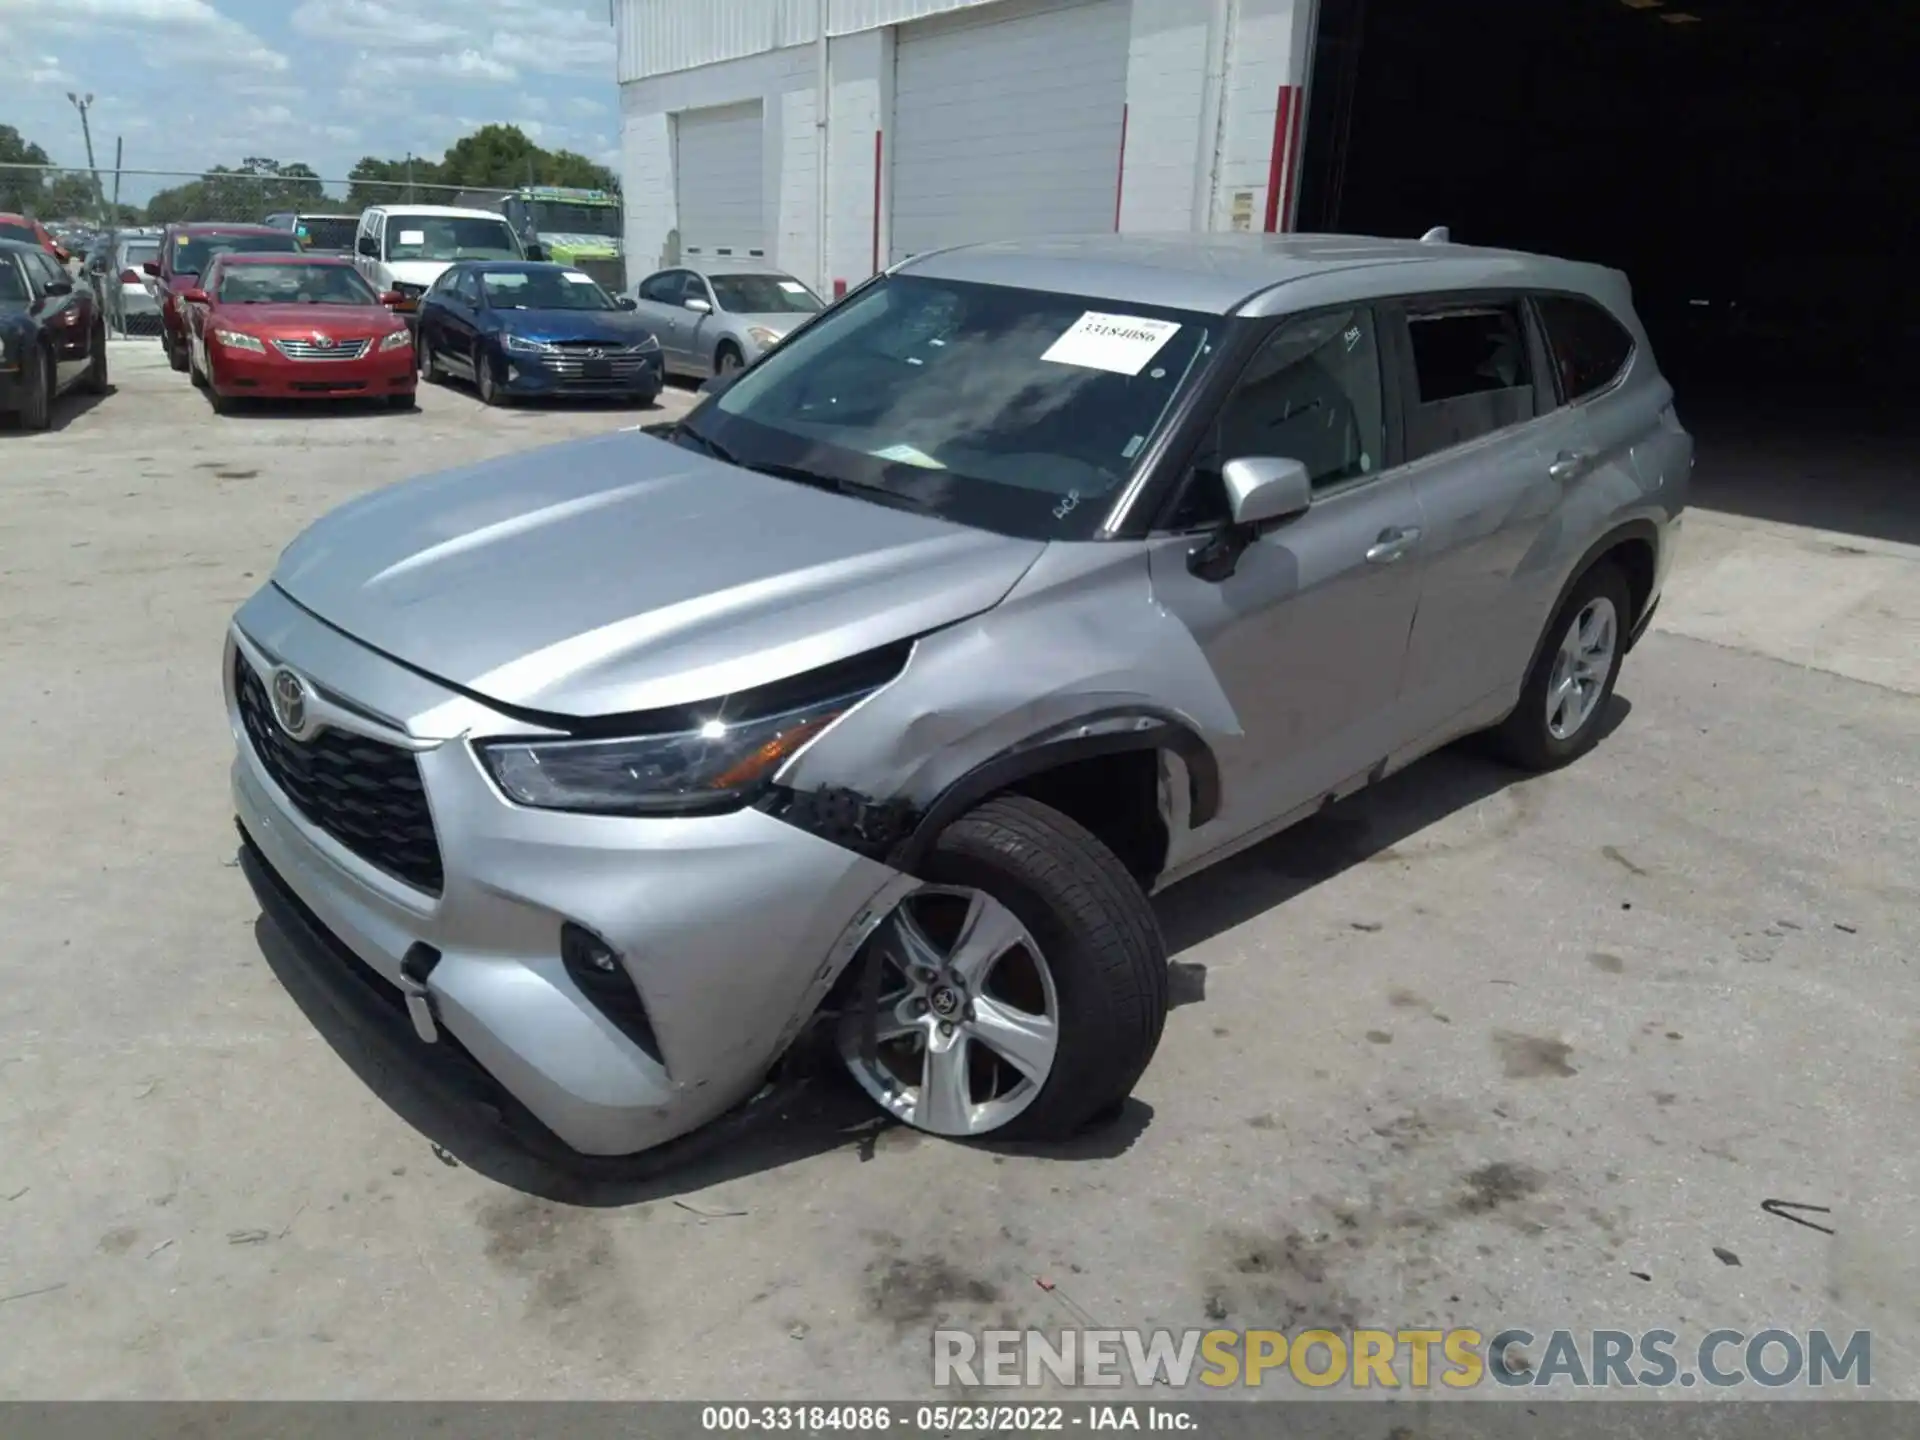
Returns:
(694, 762)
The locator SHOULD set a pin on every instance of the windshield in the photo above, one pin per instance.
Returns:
(252, 284)
(11, 231)
(326, 232)
(140, 252)
(763, 295)
(13, 285)
(543, 290)
(192, 253)
(1020, 411)
(552, 217)
(449, 237)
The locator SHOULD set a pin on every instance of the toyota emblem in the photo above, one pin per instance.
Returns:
(323, 341)
(287, 693)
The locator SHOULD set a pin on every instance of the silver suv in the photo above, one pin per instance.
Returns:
(881, 691)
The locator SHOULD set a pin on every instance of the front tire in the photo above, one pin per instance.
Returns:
(1022, 990)
(727, 359)
(176, 349)
(430, 370)
(1569, 688)
(194, 373)
(484, 380)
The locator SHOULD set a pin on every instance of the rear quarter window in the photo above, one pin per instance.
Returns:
(1590, 348)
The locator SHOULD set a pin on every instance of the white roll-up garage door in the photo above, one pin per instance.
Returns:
(1008, 127)
(721, 179)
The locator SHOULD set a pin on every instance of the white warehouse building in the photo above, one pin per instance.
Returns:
(950, 121)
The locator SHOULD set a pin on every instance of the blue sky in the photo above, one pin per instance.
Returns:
(195, 83)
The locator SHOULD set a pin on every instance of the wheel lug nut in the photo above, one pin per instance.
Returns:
(946, 1027)
(919, 1007)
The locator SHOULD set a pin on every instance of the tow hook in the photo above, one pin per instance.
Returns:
(415, 966)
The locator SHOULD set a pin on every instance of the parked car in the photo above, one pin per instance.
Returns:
(518, 328)
(52, 339)
(116, 267)
(185, 252)
(320, 234)
(404, 248)
(721, 317)
(1028, 579)
(296, 327)
(28, 231)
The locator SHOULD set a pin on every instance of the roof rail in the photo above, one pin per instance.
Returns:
(1438, 235)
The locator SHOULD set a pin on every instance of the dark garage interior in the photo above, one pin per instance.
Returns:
(1753, 165)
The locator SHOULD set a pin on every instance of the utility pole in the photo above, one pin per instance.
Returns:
(119, 143)
(409, 177)
(80, 103)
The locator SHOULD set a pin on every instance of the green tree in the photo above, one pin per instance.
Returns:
(69, 195)
(20, 190)
(250, 191)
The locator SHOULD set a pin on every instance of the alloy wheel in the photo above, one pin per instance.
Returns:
(968, 1017)
(1581, 667)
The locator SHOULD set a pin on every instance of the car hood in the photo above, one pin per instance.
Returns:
(417, 272)
(612, 327)
(625, 573)
(343, 322)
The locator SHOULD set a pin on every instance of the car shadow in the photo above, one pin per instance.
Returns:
(1362, 829)
(67, 409)
(811, 1107)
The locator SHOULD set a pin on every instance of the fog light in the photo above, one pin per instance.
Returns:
(582, 949)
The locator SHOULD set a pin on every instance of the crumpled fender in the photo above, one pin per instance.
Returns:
(1080, 638)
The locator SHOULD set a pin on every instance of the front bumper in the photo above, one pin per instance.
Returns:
(377, 373)
(638, 376)
(731, 927)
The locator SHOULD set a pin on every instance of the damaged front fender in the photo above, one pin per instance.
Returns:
(1079, 659)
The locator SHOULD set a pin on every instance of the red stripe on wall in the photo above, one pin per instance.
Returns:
(876, 201)
(1120, 184)
(1292, 193)
(1277, 161)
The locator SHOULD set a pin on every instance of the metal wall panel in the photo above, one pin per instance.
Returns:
(659, 37)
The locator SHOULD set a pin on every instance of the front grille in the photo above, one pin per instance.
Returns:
(363, 792)
(332, 350)
(608, 369)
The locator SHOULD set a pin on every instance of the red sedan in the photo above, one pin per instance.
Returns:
(295, 327)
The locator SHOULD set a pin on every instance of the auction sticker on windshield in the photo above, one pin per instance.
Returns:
(793, 287)
(1122, 344)
(577, 278)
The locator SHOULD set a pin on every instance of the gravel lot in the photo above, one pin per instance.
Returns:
(1466, 1051)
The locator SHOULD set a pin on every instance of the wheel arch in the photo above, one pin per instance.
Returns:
(1633, 545)
(1106, 735)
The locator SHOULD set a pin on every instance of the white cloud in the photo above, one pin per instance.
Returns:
(582, 106)
(371, 24)
(467, 65)
(167, 32)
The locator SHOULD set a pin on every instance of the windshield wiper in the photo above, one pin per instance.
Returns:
(811, 478)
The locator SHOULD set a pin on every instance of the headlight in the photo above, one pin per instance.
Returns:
(398, 340)
(766, 339)
(234, 340)
(531, 347)
(714, 766)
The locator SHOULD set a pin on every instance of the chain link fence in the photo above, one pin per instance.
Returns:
(106, 240)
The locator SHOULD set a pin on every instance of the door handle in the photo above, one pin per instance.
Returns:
(1392, 544)
(1568, 465)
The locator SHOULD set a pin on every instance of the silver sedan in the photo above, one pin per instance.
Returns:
(717, 318)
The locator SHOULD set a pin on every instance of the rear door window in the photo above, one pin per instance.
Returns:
(1472, 374)
(1590, 348)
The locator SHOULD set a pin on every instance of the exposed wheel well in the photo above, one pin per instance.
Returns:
(1635, 558)
(1117, 798)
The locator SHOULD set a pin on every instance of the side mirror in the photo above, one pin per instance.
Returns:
(194, 296)
(626, 302)
(152, 267)
(536, 251)
(59, 287)
(1260, 490)
(392, 297)
(698, 306)
(368, 246)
